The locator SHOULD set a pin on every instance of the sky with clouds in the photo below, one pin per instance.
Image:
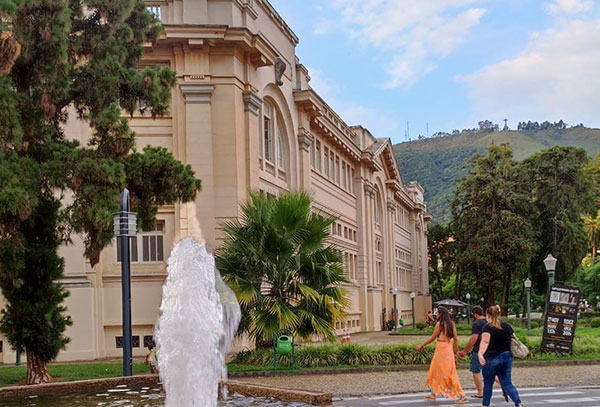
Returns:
(440, 65)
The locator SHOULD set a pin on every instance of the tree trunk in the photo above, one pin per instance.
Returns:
(506, 293)
(36, 370)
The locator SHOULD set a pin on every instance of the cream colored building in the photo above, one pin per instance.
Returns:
(245, 117)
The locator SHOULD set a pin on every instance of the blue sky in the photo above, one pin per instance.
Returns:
(450, 63)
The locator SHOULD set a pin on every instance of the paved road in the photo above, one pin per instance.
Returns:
(540, 396)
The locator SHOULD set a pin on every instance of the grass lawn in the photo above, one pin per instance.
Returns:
(464, 329)
(11, 375)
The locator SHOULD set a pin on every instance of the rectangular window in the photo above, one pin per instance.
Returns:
(344, 175)
(119, 342)
(331, 165)
(337, 170)
(339, 229)
(326, 161)
(312, 155)
(318, 157)
(352, 180)
(153, 249)
(148, 340)
(345, 232)
(268, 133)
(155, 11)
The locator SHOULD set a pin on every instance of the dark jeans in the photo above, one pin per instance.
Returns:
(500, 366)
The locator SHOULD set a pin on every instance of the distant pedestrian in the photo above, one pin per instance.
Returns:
(474, 341)
(443, 378)
(430, 321)
(151, 358)
(495, 357)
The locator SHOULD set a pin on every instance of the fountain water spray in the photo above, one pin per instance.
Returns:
(199, 318)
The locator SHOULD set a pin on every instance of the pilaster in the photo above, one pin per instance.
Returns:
(305, 140)
(252, 106)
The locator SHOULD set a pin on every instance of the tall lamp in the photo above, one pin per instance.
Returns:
(125, 227)
(550, 264)
(412, 300)
(468, 308)
(528, 289)
(394, 292)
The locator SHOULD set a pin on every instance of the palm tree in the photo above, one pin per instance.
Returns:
(275, 259)
(592, 227)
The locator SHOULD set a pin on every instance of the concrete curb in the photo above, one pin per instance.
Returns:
(406, 368)
(138, 381)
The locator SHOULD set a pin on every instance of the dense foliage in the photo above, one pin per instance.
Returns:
(492, 223)
(275, 259)
(507, 217)
(437, 162)
(75, 59)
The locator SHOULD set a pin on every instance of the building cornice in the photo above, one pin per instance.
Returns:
(277, 19)
(252, 102)
(197, 92)
(261, 52)
(305, 140)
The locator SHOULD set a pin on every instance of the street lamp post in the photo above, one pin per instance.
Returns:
(394, 292)
(412, 300)
(468, 308)
(528, 289)
(550, 264)
(125, 226)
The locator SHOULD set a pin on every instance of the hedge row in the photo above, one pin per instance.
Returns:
(380, 355)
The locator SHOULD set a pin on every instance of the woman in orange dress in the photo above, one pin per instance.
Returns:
(443, 378)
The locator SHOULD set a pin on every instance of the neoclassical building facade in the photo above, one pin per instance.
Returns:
(244, 116)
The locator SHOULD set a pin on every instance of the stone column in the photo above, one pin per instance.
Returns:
(305, 140)
(198, 141)
(252, 105)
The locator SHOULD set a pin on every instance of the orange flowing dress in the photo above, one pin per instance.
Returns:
(443, 378)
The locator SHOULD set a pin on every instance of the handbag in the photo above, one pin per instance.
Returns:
(518, 349)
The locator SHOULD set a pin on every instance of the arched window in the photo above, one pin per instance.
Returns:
(274, 137)
(281, 162)
(268, 132)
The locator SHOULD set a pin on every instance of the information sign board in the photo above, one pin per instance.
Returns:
(561, 319)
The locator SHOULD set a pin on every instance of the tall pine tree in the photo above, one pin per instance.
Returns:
(56, 57)
(562, 191)
(492, 223)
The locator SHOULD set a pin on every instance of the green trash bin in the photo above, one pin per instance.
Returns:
(284, 345)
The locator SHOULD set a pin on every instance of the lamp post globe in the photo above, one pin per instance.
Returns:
(550, 264)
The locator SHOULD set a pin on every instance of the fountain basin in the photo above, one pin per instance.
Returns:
(145, 390)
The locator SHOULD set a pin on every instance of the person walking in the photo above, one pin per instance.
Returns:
(473, 344)
(443, 378)
(495, 357)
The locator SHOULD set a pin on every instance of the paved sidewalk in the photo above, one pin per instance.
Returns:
(357, 384)
(541, 396)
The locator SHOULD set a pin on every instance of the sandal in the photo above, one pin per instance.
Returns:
(477, 396)
(462, 400)
(430, 396)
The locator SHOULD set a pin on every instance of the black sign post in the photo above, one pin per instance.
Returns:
(561, 319)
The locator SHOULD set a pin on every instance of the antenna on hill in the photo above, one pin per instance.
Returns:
(505, 125)
(427, 129)
(407, 131)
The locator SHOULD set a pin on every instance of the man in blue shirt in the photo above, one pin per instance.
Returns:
(474, 342)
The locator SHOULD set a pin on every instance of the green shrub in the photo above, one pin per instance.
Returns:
(421, 325)
(535, 324)
(595, 323)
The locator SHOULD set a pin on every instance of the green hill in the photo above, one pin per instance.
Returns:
(437, 162)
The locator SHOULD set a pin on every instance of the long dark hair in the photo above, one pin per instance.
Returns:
(446, 324)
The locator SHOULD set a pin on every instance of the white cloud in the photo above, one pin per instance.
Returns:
(378, 122)
(568, 7)
(414, 34)
(554, 77)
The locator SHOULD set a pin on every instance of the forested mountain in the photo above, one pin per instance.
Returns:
(438, 161)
